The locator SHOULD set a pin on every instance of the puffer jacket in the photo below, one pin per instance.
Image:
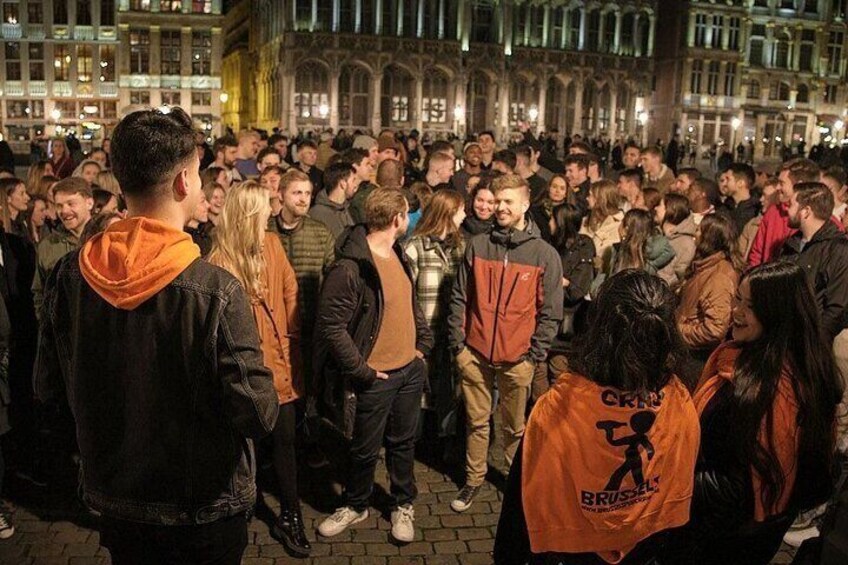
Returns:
(605, 236)
(825, 261)
(703, 315)
(49, 251)
(506, 303)
(348, 320)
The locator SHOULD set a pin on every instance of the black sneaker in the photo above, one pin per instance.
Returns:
(464, 499)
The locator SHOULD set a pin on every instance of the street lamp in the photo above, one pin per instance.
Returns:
(458, 113)
(533, 113)
(223, 97)
(734, 123)
(56, 114)
(323, 110)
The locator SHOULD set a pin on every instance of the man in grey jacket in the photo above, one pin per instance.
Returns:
(332, 205)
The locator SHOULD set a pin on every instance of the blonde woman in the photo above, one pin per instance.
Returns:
(36, 172)
(106, 180)
(88, 171)
(256, 258)
(604, 217)
(215, 196)
(13, 206)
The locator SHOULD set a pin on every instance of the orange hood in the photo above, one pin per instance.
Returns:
(134, 259)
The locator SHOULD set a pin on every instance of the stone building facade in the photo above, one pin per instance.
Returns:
(441, 65)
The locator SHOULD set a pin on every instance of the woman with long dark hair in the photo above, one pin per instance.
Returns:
(767, 404)
(641, 247)
(676, 222)
(605, 470)
(703, 315)
(577, 253)
(481, 211)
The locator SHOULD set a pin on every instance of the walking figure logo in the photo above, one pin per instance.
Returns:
(640, 423)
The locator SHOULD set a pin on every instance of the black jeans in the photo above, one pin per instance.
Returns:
(387, 412)
(284, 456)
(218, 543)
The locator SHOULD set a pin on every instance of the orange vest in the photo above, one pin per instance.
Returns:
(603, 470)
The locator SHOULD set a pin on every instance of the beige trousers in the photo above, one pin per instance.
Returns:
(478, 380)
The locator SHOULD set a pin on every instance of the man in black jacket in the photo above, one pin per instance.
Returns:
(369, 368)
(160, 359)
(821, 249)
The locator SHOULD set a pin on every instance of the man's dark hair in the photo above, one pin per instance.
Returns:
(267, 151)
(506, 157)
(817, 196)
(148, 147)
(336, 173)
(580, 146)
(222, 142)
(582, 161)
(441, 145)
(635, 175)
(836, 173)
(277, 138)
(710, 189)
(354, 156)
(523, 150)
(488, 132)
(592, 158)
(691, 172)
(743, 171)
(307, 143)
(802, 170)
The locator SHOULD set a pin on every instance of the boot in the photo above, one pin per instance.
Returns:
(290, 532)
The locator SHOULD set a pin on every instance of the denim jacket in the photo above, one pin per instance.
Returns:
(167, 397)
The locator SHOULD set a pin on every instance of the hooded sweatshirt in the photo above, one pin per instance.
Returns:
(603, 469)
(134, 259)
(332, 214)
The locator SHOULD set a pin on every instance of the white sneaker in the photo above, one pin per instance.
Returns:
(340, 520)
(796, 537)
(7, 530)
(402, 528)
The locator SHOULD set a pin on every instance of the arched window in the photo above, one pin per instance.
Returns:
(312, 92)
(754, 90)
(628, 31)
(522, 97)
(609, 33)
(803, 96)
(573, 40)
(434, 101)
(477, 99)
(354, 88)
(553, 103)
(397, 97)
(593, 35)
(590, 95)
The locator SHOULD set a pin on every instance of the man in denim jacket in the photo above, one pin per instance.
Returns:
(160, 361)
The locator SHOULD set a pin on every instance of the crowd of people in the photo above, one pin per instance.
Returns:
(666, 351)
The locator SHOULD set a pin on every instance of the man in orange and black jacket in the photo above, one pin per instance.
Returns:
(505, 308)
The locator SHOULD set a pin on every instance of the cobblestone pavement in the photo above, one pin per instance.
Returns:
(53, 528)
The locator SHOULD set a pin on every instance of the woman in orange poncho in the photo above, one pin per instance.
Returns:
(767, 404)
(606, 466)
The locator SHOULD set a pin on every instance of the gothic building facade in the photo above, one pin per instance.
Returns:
(441, 65)
(765, 73)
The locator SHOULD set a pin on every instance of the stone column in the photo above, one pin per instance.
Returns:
(293, 126)
(503, 108)
(546, 26)
(603, 24)
(652, 30)
(581, 45)
(617, 43)
(578, 107)
(690, 31)
(612, 130)
(725, 34)
(334, 99)
(377, 93)
(542, 106)
(417, 105)
(637, 35)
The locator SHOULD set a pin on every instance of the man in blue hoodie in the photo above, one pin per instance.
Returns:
(159, 357)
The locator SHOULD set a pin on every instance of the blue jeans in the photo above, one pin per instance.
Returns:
(386, 412)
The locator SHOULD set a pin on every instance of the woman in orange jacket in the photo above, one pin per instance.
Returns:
(606, 466)
(257, 259)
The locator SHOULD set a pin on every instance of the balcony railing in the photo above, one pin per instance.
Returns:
(109, 89)
(13, 88)
(84, 33)
(37, 88)
(62, 89)
(10, 31)
(35, 31)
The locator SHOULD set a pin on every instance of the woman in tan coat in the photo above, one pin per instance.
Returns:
(704, 312)
(604, 218)
(257, 259)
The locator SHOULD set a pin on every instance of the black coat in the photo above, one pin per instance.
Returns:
(350, 313)
(825, 261)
